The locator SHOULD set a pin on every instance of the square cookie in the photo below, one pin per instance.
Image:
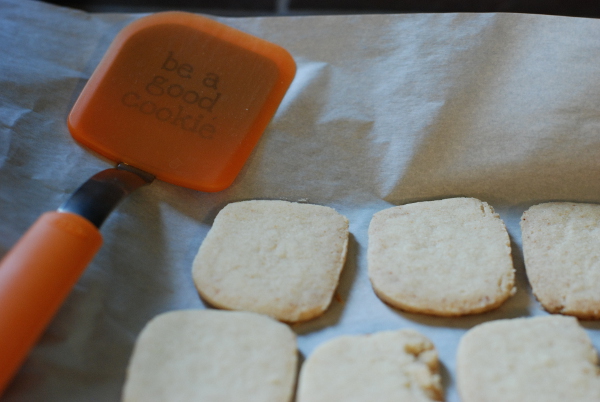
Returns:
(449, 257)
(561, 246)
(277, 258)
(208, 355)
(545, 359)
(385, 366)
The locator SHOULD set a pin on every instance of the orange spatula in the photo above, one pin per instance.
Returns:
(178, 97)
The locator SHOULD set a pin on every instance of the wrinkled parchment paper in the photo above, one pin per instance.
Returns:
(384, 110)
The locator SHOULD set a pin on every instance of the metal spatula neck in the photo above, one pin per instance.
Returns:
(101, 194)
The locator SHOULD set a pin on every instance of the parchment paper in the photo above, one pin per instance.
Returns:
(384, 110)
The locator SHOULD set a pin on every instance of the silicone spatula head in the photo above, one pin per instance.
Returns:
(182, 97)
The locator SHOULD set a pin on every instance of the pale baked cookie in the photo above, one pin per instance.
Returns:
(208, 355)
(545, 359)
(561, 246)
(448, 257)
(385, 366)
(277, 258)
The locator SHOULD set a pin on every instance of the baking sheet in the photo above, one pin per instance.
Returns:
(385, 110)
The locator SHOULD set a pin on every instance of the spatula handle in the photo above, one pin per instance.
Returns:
(35, 278)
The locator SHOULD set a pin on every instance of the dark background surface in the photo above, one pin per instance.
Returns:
(588, 9)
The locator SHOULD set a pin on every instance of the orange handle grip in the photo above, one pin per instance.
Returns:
(35, 277)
